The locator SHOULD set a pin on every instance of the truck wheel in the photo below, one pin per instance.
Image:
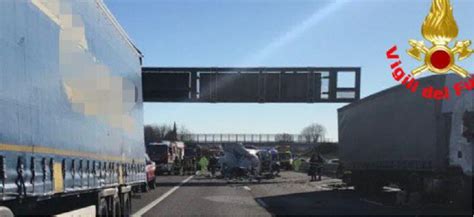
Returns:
(125, 201)
(459, 191)
(375, 188)
(136, 189)
(116, 207)
(368, 188)
(127, 204)
(152, 184)
(103, 208)
(144, 187)
(361, 188)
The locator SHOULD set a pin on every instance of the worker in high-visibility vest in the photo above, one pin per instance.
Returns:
(203, 163)
(297, 164)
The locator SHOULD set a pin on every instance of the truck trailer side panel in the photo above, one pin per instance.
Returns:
(70, 99)
(395, 130)
(460, 148)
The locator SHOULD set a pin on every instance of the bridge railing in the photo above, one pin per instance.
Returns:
(249, 138)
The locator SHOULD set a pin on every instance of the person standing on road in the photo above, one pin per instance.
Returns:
(177, 166)
(312, 167)
(213, 165)
(276, 168)
(319, 163)
(203, 163)
(296, 165)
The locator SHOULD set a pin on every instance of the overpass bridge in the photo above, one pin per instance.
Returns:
(297, 143)
(256, 139)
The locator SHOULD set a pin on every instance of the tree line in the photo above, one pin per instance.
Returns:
(313, 133)
(157, 133)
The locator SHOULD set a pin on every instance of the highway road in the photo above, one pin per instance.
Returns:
(292, 193)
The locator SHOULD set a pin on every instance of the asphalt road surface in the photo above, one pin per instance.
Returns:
(290, 194)
(200, 196)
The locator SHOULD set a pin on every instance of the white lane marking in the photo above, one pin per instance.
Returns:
(247, 188)
(263, 204)
(86, 211)
(158, 200)
(391, 189)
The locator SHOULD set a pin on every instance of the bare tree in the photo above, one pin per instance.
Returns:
(162, 131)
(156, 133)
(313, 133)
(172, 134)
(284, 137)
(184, 134)
(149, 134)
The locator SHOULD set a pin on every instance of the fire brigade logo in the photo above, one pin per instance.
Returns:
(440, 28)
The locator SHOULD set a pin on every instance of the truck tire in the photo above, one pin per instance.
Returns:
(361, 188)
(126, 204)
(103, 209)
(116, 209)
(459, 191)
(152, 184)
(375, 188)
(367, 183)
(360, 182)
(144, 187)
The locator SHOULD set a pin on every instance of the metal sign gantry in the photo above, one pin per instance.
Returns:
(251, 85)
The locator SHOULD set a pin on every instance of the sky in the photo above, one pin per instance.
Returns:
(234, 33)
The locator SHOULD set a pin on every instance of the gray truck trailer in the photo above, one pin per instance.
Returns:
(71, 131)
(399, 137)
